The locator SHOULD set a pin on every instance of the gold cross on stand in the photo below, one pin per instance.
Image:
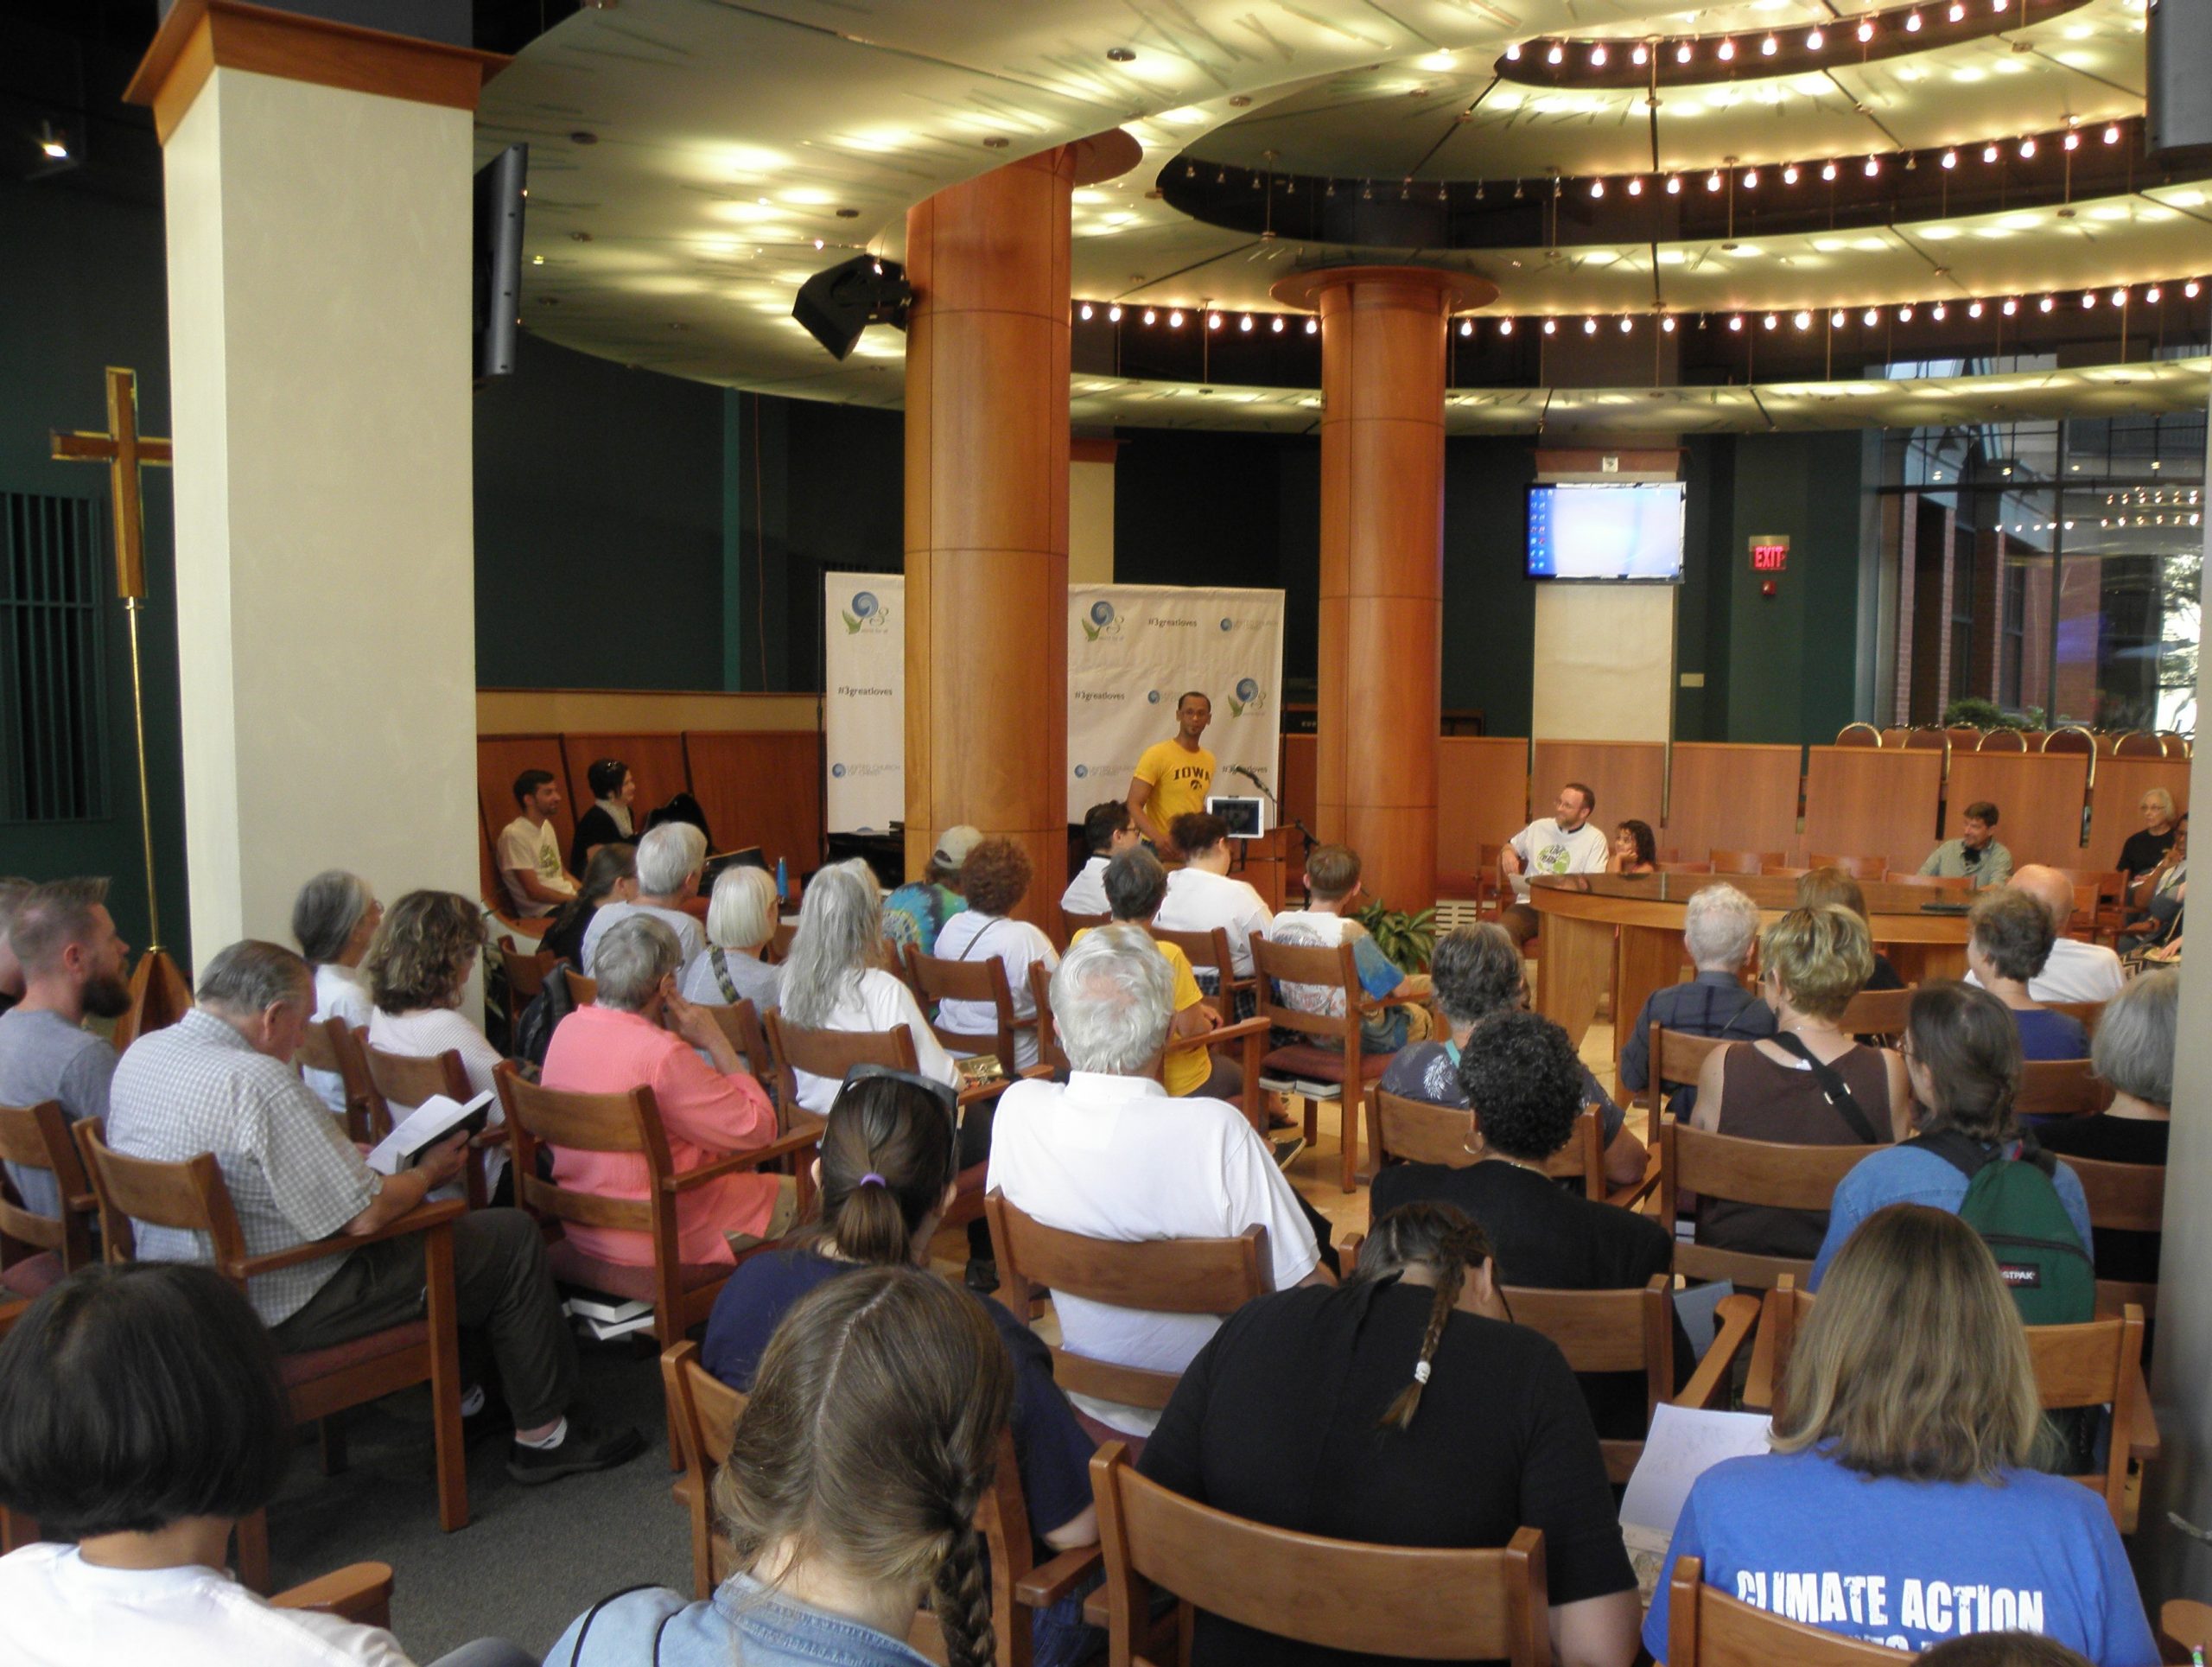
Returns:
(159, 995)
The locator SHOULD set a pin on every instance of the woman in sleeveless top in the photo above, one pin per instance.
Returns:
(1815, 961)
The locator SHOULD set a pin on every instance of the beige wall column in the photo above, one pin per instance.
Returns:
(317, 196)
(1383, 369)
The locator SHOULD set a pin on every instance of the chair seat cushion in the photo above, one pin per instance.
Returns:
(33, 1275)
(1321, 1064)
(625, 1279)
(306, 1367)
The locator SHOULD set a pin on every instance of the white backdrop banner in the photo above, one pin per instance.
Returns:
(1132, 650)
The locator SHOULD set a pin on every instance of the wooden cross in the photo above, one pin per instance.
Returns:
(124, 450)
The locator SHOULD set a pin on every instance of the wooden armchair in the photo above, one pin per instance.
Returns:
(1628, 1330)
(38, 1252)
(360, 1593)
(334, 1046)
(2060, 1088)
(1858, 867)
(1702, 866)
(2090, 1013)
(407, 1080)
(740, 1022)
(1072, 923)
(935, 979)
(2127, 1198)
(829, 1054)
(2099, 903)
(191, 1197)
(1747, 1172)
(1421, 1132)
(1745, 862)
(583, 992)
(1208, 953)
(1705, 1627)
(1877, 1012)
(1418, 1601)
(1346, 1066)
(527, 972)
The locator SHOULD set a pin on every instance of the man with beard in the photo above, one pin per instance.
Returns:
(73, 962)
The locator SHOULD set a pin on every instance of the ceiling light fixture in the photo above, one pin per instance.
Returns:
(1913, 23)
(1803, 320)
(1640, 56)
(1770, 321)
(53, 143)
(1466, 326)
(1836, 318)
(1175, 319)
(1789, 172)
(1589, 327)
(1873, 317)
(1950, 159)
(1084, 311)
(1814, 41)
(1556, 55)
(1682, 53)
(1726, 51)
(1936, 312)
(2027, 149)
(1866, 30)
(1768, 47)
(1505, 327)
(1598, 57)
(1828, 170)
(1667, 323)
(1736, 321)
(1905, 315)
(1275, 324)
(1974, 309)
(1113, 314)
(1551, 327)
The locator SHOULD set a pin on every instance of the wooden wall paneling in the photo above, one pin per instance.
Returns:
(1733, 797)
(1866, 801)
(761, 788)
(2038, 797)
(1295, 783)
(1626, 776)
(2117, 792)
(656, 758)
(500, 759)
(1482, 797)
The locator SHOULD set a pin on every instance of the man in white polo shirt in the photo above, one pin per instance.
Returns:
(1565, 842)
(1109, 1155)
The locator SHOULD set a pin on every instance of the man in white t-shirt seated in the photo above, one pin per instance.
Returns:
(1332, 891)
(1203, 894)
(1109, 829)
(1109, 1155)
(2075, 971)
(1565, 842)
(670, 860)
(530, 850)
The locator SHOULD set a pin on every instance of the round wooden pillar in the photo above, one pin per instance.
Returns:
(1384, 352)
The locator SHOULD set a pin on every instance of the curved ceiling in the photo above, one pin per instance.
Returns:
(693, 161)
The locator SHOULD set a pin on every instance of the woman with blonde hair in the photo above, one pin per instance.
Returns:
(418, 969)
(1808, 1083)
(741, 922)
(1898, 1505)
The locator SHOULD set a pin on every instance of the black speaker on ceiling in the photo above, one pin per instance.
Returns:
(835, 306)
(2179, 73)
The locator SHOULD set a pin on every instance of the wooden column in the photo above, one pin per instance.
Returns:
(986, 506)
(1382, 365)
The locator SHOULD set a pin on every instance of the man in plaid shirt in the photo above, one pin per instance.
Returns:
(220, 1080)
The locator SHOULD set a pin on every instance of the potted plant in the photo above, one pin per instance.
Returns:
(1405, 940)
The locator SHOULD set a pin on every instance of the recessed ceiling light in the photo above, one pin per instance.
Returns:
(1119, 56)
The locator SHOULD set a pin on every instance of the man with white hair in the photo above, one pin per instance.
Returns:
(1109, 1155)
(2075, 971)
(1719, 927)
(671, 859)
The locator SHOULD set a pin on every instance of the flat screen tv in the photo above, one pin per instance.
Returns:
(1628, 533)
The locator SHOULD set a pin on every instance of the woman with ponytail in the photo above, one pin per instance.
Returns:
(849, 1495)
(1402, 1407)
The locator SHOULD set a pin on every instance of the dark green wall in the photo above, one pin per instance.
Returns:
(1490, 606)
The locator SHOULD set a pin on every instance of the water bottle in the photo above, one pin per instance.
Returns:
(783, 881)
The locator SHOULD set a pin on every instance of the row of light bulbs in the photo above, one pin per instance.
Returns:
(2156, 495)
(2146, 520)
(1598, 54)
(1992, 151)
(1246, 323)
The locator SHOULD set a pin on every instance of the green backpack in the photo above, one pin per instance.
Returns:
(2014, 1203)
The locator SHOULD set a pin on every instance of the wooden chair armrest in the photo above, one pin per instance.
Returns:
(1737, 1315)
(360, 1593)
(972, 1092)
(799, 1140)
(1759, 1379)
(2144, 1443)
(1034, 1073)
(1222, 1035)
(497, 1134)
(83, 1204)
(420, 1219)
(1048, 1582)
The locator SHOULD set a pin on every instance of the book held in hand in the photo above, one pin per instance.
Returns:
(436, 1120)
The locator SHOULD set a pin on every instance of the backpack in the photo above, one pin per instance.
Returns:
(2014, 1203)
(534, 1025)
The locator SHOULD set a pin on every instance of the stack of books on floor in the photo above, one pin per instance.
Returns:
(606, 1317)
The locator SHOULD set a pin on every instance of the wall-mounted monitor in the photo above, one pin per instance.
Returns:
(1628, 533)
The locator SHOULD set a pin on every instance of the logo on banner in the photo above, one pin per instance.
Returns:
(866, 612)
(862, 772)
(1081, 771)
(1247, 698)
(1229, 625)
(1152, 696)
(1100, 622)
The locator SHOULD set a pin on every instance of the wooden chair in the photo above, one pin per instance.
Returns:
(39, 1251)
(360, 1593)
(1783, 871)
(1705, 1627)
(1677, 1057)
(331, 1045)
(583, 992)
(1893, 735)
(1630, 1330)
(740, 1022)
(681, 1293)
(1488, 889)
(1419, 1131)
(406, 1080)
(1687, 867)
(2139, 743)
(1744, 861)
(526, 973)
(1858, 735)
(935, 979)
(1049, 1052)
(2099, 903)
(1930, 738)
(1340, 1594)
(2060, 1088)
(2090, 1013)
(2129, 1197)
(2004, 740)
(1208, 951)
(1353, 1071)
(1858, 867)
(1747, 1172)
(829, 1054)
(2070, 738)
(1072, 923)
(1167, 1275)
(1876, 1012)
(191, 1197)
(2184, 1625)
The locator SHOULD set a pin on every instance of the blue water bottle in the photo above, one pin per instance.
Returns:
(783, 881)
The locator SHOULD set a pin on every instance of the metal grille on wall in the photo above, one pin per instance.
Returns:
(53, 660)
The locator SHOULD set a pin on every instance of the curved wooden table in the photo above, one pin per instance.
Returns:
(1624, 934)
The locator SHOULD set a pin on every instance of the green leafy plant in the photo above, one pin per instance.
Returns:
(1984, 714)
(1405, 940)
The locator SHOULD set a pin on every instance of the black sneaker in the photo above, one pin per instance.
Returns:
(584, 1448)
(982, 1274)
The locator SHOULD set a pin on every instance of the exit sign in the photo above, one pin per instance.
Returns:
(1769, 555)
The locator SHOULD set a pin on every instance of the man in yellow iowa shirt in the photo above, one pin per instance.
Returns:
(1173, 776)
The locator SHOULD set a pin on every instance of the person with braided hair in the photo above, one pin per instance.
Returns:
(1402, 1407)
(849, 1495)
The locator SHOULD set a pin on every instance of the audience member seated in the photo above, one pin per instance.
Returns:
(2010, 939)
(1635, 848)
(1964, 1055)
(740, 923)
(888, 1172)
(2165, 891)
(1820, 887)
(13, 889)
(2133, 1050)
(2074, 971)
(610, 877)
(1403, 1408)
(995, 877)
(1474, 973)
(833, 979)
(1108, 1154)
(1136, 883)
(1808, 1083)
(333, 920)
(849, 1496)
(529, 850)
(1898, 1505)
(1520, 1073)
(73, 965)
(1565, 842)
(916, 912)
(2147, 846)
(418, 969)
(141, 1416)
(220, 1080)
(670, 860)
(1203, 894)
(1720, 926)
(607, 822)
(1109, 829)
(1974, 854)
(1332, 890)
(641, 1033)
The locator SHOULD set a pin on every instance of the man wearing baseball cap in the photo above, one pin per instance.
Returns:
(916, 912)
